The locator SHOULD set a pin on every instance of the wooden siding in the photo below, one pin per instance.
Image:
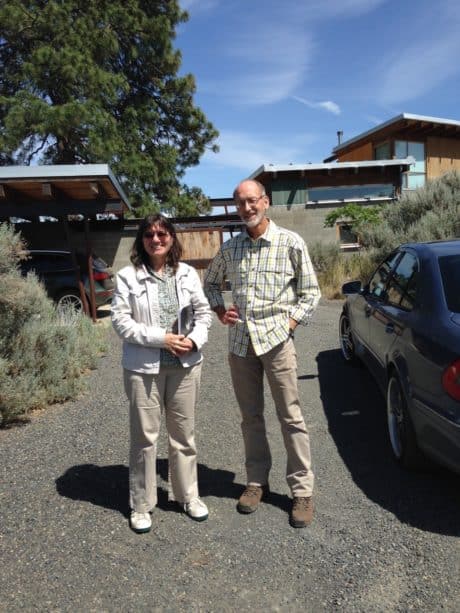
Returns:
(364, 152)
(442, 155)
(200, 246)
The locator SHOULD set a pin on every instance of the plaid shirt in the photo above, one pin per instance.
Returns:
(272, 280)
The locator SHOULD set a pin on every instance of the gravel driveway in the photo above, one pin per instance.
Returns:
(382, 539)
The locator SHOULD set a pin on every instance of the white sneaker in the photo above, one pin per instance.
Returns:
(140, 522)
(196, 509)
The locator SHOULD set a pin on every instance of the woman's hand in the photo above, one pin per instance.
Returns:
(178, 344)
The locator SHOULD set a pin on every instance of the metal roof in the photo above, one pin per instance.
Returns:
(56, 190)
(424, 119)
(331, 166)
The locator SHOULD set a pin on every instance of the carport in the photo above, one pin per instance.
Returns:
(63, 193)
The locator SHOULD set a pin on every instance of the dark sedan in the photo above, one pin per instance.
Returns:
(57, 272)
(404, 324)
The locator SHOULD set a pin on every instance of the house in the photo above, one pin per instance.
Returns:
(433, 142)
(302, 195)
(374, 167)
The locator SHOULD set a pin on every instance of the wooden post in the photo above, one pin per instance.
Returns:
(81, 286)
(89, 264)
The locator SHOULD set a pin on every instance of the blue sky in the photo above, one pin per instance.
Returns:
(279, 79)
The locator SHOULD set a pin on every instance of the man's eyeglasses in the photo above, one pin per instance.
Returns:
(250, 201)
(161, 235)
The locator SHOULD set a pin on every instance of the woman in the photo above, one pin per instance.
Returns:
(160, 311)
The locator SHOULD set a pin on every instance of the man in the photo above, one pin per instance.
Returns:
(274, 288)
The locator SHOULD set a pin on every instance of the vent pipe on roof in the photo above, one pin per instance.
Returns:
(339, 136)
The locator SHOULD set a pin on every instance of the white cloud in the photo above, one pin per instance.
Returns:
(266, 68)
(198, 5)
(327, 105)
(419, 69)
(320, 9)
(375, 120)
(415, 65)
(247, 152)
(270, 51)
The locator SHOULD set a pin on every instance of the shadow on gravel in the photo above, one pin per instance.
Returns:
(356, 416)
(103, 486)
(107, 486)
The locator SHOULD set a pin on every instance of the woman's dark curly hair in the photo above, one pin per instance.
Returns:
(138, 254)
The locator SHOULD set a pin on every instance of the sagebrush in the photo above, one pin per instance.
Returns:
(42, 354)
(429, 213)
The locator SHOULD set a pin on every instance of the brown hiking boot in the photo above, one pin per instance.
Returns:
(250, 498)
(302, 512)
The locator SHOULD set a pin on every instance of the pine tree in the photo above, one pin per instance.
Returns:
(96, 81)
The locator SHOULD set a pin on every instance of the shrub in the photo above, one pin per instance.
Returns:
(42, 354)
(11, 245)
(429, 213)
(355, 213)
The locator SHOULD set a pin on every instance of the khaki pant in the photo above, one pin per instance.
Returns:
(175, 391)
(280, 367)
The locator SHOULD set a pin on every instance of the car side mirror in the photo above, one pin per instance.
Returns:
(352, 287)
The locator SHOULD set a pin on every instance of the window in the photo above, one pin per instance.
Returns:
(412, 181)
(347, 238)
(346, 234)
(450, 274)
(348, 192)
(383, 152)
(416, 176)
(402, 286)
(379, 279)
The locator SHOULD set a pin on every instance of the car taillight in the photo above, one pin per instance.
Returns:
(100, 276)
(451, 380)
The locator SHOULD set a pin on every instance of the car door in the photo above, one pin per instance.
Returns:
(363, 306)
(391, 316)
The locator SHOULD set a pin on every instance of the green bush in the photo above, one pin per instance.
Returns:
(429, 213)
(42, 354)
(358, 216)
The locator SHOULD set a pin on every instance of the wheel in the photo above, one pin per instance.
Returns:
(347, 345)
(400, 428)
(68, 300)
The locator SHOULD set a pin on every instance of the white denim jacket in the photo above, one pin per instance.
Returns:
(136, 317)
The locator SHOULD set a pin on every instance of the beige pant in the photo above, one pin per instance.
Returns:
(280, 367)
(174, 390)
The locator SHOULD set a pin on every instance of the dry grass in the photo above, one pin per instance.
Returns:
(334, 268)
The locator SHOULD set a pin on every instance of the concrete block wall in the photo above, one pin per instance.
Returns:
(123, 252)
(306, 221)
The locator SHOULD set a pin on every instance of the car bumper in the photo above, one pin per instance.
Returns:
(437, 436)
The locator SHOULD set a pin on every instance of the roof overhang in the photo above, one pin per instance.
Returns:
(417, 126)
(332, 167)
(60, 190)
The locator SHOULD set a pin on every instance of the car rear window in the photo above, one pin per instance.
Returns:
(450, 274)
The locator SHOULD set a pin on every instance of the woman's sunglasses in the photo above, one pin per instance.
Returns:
(161, 235)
